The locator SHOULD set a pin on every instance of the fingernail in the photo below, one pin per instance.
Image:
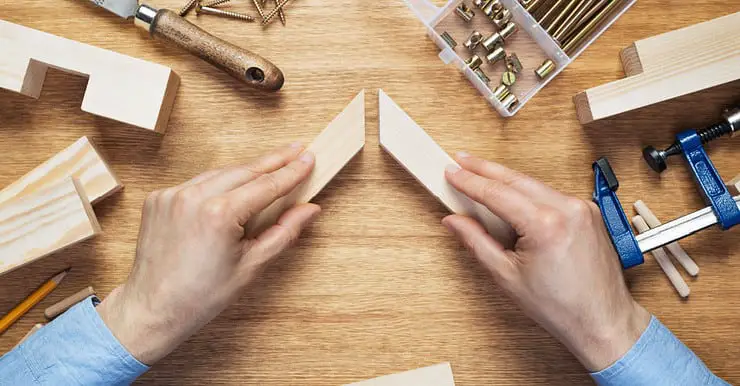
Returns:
(452, 168)
(307, 157)
(463, 154)
(296, 144)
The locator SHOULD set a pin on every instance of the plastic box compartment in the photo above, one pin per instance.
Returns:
(532, 44)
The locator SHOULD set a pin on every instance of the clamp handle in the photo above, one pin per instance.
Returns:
(713, 189)
(617, 225)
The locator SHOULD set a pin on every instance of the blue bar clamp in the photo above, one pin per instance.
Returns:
(713, 190)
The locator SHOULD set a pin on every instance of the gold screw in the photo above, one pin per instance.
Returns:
(214, 3)
(281, 13)
(259, 8)
(220, 12)
(508, 78)
(187, 7)
(274, 12)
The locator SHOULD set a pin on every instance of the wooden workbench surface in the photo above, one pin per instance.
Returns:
(376, 285)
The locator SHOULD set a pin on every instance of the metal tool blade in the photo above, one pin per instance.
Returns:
(123, 8)
(678, 228)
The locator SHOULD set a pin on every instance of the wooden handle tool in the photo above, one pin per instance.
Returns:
(238, 62)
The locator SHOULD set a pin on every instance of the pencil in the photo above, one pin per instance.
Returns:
(31, 301)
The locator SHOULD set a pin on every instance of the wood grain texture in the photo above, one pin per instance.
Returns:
(417, 152)
(436, 375)
(376, 286)
(36, 225)
(668, 66)
(238, 62)
(80, 160)
(342, 139)
(119, 87)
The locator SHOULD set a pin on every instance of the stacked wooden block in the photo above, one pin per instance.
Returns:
(50, 208)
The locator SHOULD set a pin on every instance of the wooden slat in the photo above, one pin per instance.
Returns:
(120, 87)
(34, 226)
(417, 152)
(333, 148)
(437, 375)
(80, 160)
(667, 66)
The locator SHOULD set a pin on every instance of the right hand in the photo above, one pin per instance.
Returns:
(563, 271)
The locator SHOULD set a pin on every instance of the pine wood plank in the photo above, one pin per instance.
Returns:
(436, 375)
(667, 66)
(417, 152)
(333, 148)
(80, 160)
(37, 225)
(119, 87)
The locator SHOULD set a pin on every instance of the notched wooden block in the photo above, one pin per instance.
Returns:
(39, 224)
(436, 375)
(668, 66)
(119, 87)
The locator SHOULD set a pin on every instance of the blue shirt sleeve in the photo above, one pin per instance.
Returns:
(658, 359)
(77, 348)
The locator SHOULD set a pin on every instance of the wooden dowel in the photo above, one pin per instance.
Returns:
(676, 250)
(734, 185)
(664, 261)
(62, 306)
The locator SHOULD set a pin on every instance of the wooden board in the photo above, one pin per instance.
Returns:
(668, 66)
(734, 186)
(119, 87)
(376, 285)
(417, 152)
(39, 224)
(80, 160)
(333, 148)
(437, 375)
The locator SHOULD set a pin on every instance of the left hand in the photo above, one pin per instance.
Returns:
(193, 259)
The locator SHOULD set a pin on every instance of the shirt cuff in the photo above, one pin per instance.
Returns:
(657, 358)
(78, 348)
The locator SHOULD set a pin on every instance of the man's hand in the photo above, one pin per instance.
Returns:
(563, 270)
(193, 260)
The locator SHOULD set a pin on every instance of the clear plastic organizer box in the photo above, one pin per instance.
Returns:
(531, 43)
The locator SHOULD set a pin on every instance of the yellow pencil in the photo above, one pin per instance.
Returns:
(31, 301)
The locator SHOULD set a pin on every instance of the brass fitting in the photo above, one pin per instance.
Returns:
(474, 62)
(496, 55)
(473, 41)
(545, 69)
(498, 38)
(465, 12)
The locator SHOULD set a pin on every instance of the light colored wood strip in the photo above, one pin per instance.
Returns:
(80, 160)
(59, 308)
(30, 332)
(436, 375)
(667, 72)
(417, 152)
(675, 248)
(37, 225)
(333, 148)
(664, 261)
(120, 87)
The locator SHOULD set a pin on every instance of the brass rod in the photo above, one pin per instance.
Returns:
(589, 14)
(583, 33)
(559, 18)
(550, 12)
(572, 19)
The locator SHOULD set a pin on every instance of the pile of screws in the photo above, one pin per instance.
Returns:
(569, 22)
(211, 8)
(493, 45)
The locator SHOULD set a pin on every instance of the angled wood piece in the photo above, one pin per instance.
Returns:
(436, 375)
(80, 160)
(417, 152)
(119, 87)
(658, 68)
(34, 226)
(333, 148)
